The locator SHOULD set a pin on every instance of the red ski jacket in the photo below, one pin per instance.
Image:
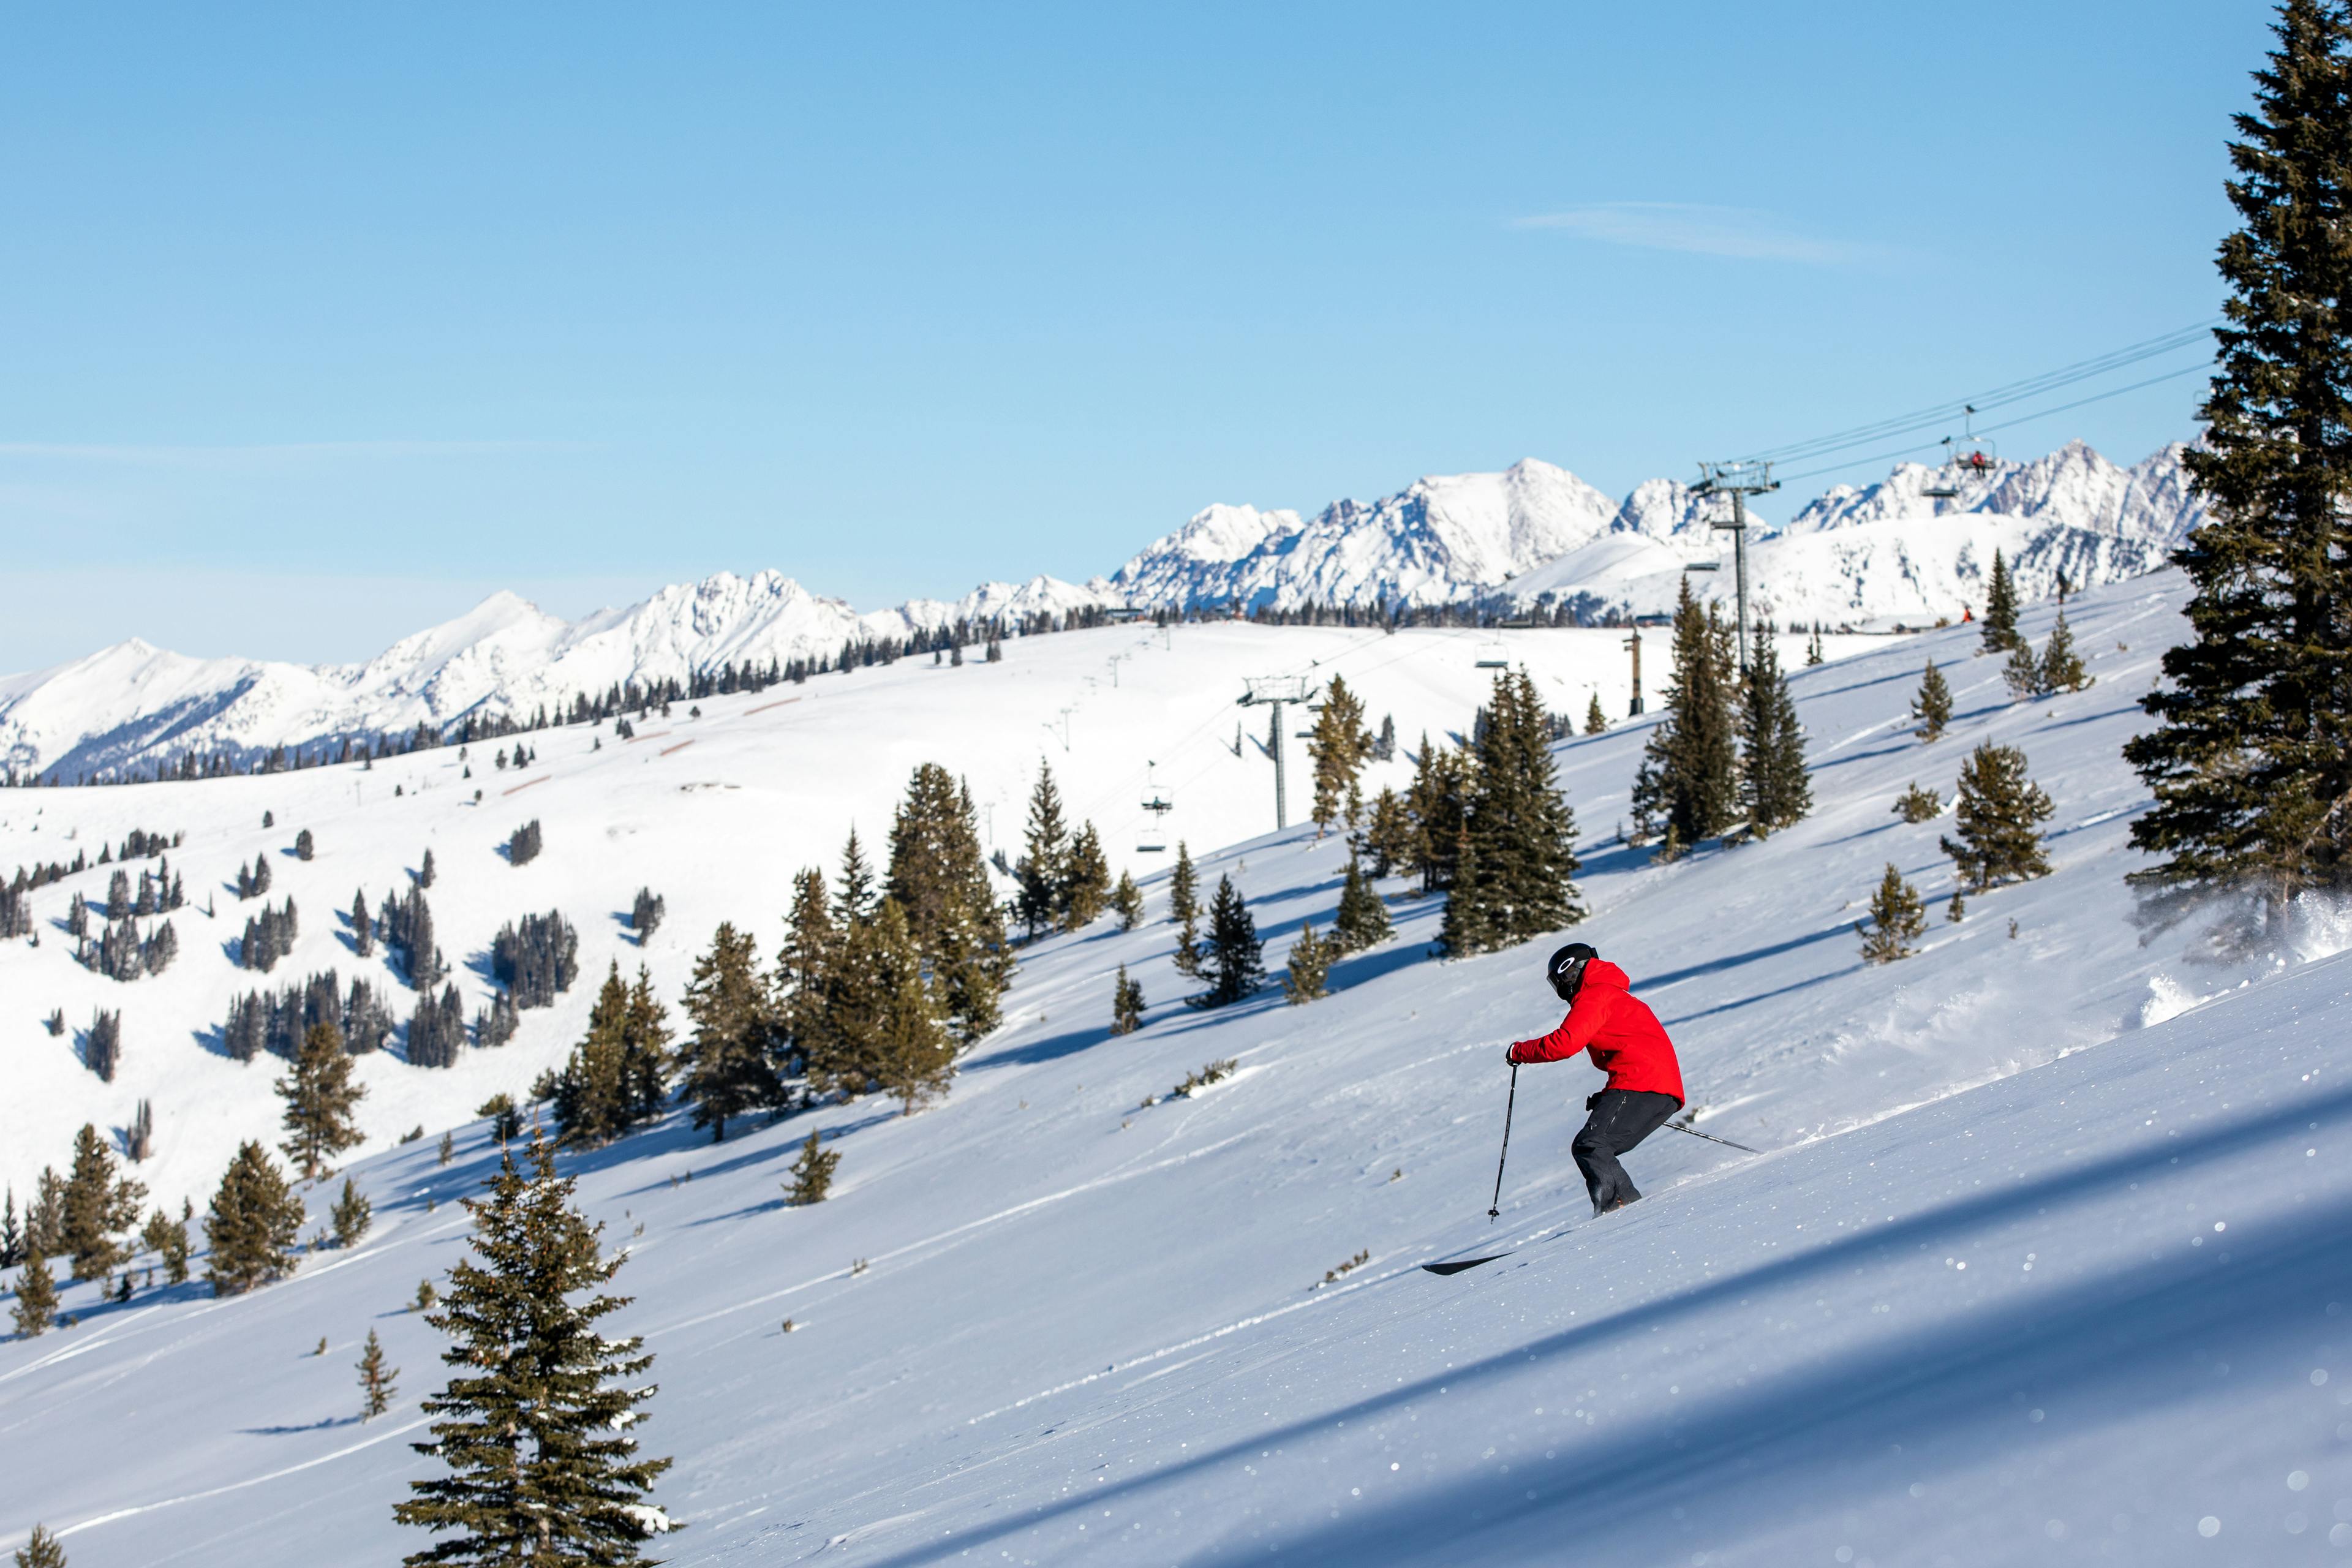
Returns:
(1626, 1039)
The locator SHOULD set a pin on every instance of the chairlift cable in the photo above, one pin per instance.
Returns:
(2005, 423)
(1995, 397)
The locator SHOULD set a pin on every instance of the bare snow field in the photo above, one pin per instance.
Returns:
(2047, 1263)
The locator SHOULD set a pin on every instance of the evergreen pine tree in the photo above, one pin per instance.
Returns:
(1933, 706)
(1896, 918)
(812, 1172)
(1338, 748)
(646, 1058)
(1439, 803)
(1127, 901)
(1517, 859)
(351, 1214)
(1044, 870)
(914, 1052)
(2000, 609)
(1184, 909)
(853, 894)
(1595, 721)
(2022, 671)
(1814, 651)
(36, 1296)
(939, 878)
(1126, 1003)
(1089, 888)
(1362, 919)
(1387, 836)
(1689, 776)
(320, 1095)
(805, 969)
(168, 1240)
(376, 1380)
(727, 1070)
(2252, 762)
(1773, 783)
(2062, 667)
(1310, 964)
(424, 870)
(96, 1207)
(535, 1422)
(1234, 961)
(253, 1224)
(593, 1104)
(1997, 815)
(41, 1551)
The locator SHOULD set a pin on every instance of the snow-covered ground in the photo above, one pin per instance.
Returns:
(715, 814)
(2046, 1263)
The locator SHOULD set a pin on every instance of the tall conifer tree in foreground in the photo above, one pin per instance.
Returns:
(534, 1423)
(2252, 762)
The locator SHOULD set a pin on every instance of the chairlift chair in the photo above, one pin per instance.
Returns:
(1494, 653)
(1157, 802)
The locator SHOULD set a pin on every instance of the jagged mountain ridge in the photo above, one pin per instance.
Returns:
(135, 704)
(1534, 535)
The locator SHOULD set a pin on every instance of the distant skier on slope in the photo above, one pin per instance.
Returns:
(1627, 1042)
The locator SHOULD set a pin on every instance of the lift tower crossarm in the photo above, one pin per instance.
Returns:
(1738, 480)
(1275, 690)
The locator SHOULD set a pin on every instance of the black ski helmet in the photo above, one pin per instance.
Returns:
(1566, 970)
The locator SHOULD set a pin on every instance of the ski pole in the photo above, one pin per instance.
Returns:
(1708, 1136)
(1496, 1213)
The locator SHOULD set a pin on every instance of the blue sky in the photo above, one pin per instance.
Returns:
(321, 322)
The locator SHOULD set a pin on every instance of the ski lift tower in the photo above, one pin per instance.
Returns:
(1276, 691)
(1738, 480)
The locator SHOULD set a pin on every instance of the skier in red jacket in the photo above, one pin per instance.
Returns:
(1646, 1082)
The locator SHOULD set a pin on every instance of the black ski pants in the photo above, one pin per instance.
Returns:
(1621, 1118)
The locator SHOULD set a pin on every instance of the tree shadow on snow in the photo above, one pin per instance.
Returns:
(1718, 966)
(325, 1424)
(2125, 1345)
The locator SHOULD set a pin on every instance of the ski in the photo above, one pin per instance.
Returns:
(1458, 1265)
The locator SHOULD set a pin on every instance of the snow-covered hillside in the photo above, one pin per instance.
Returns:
(2045, 1262)
(1535, 536)
(714, 813)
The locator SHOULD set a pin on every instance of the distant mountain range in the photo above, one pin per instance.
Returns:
(1532, 538)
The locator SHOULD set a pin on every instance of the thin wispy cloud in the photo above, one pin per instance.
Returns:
(263, 453)
(1748, 233)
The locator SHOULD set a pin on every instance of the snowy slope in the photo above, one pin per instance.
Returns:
(1093, 1332)
(714, 813)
